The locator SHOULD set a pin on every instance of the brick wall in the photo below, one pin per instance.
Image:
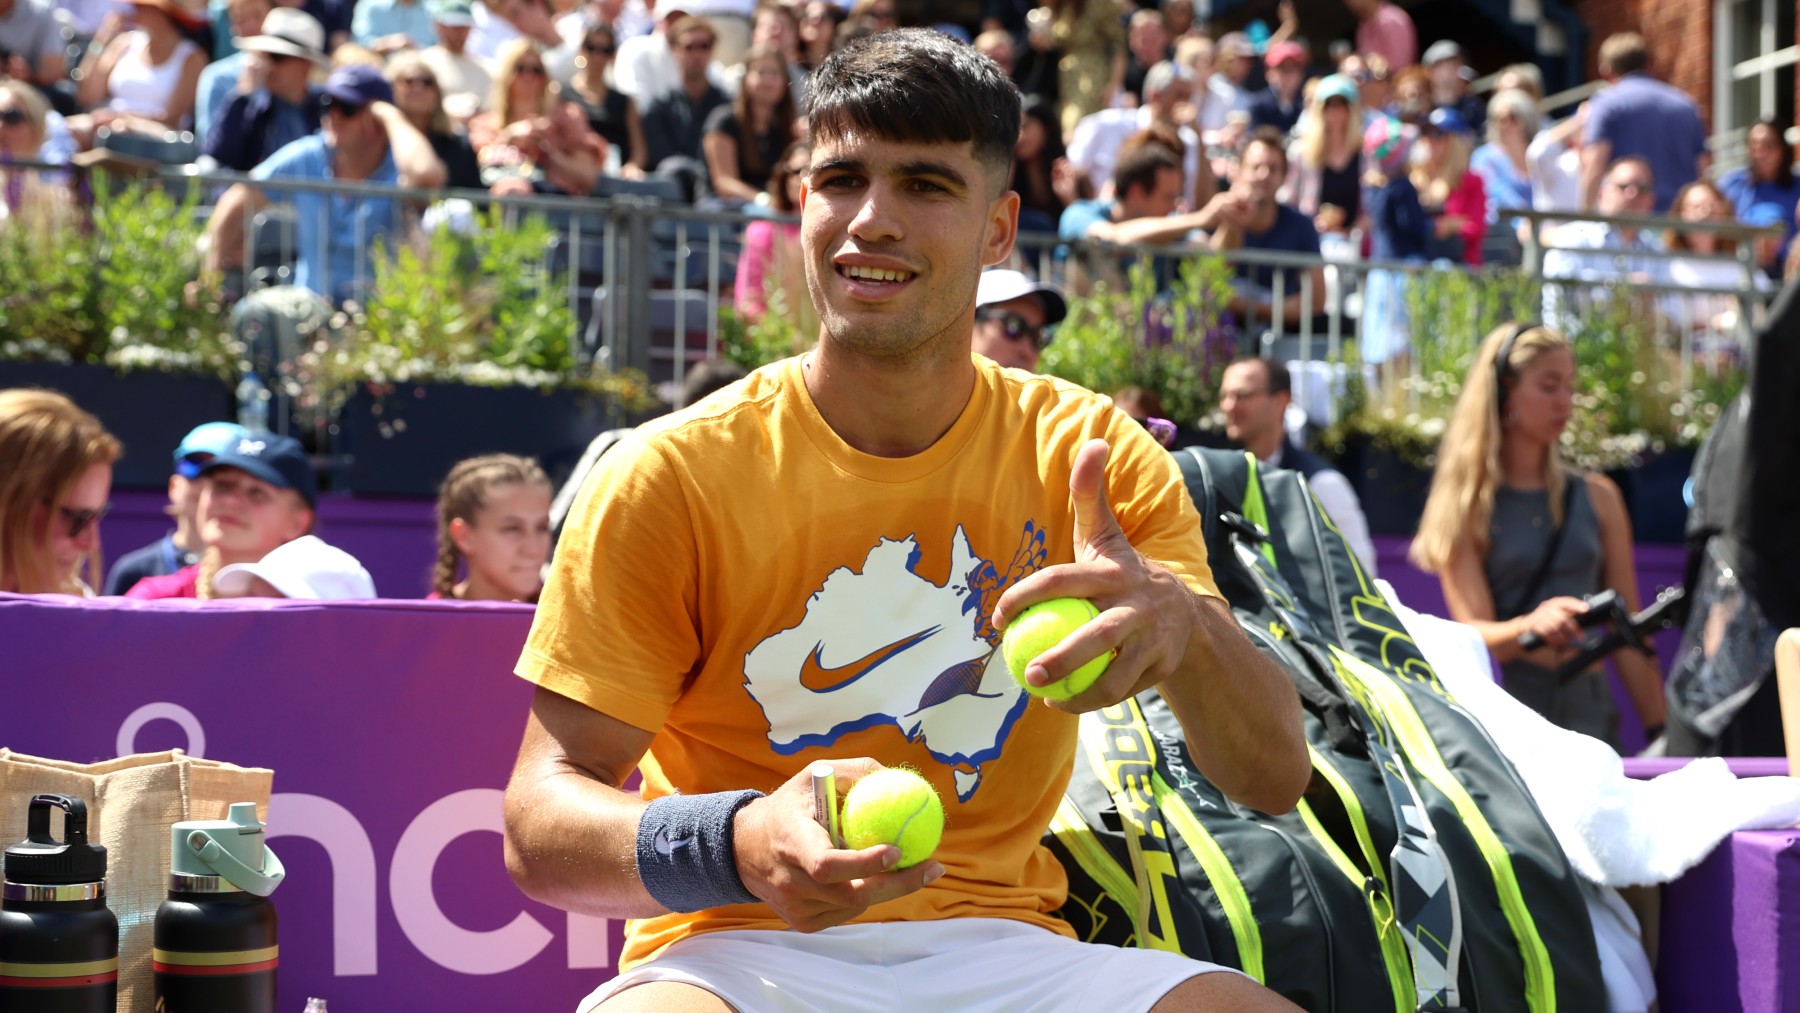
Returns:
(1679, 34)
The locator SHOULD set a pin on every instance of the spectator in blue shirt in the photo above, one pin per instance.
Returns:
(1505, 171)
(1640, 117)
(272, 105)
(243, 19)
(1765, 191)
(365, 139)
(388, 26)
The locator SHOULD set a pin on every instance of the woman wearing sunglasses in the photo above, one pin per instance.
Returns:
(530, 138)
(610, 112)
(53, 493)
(418, 97)
(24, 129)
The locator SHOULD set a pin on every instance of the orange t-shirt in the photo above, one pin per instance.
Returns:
(738, 580)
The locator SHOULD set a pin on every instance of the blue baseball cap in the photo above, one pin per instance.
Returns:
(208, 438)
(357, 84)
(277, 460)
(1446, 120)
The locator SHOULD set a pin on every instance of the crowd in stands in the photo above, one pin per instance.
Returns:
(1141, 125)
(526, 96)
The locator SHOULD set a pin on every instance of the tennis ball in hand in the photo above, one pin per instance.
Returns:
(894, 806)
(1041, 627)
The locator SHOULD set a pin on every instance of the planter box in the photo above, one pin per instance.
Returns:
(403, 441)
(1391, 489)
(1654, 495)
(148, 411)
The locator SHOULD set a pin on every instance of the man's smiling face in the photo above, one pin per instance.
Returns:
(896, 234)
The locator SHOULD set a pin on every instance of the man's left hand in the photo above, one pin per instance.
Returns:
(1146, 612)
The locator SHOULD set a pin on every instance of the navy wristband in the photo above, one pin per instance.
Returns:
(685, 856)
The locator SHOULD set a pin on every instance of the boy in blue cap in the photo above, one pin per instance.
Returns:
(180, 547)
(255, 495)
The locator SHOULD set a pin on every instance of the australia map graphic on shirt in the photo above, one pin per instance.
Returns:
(882, 645)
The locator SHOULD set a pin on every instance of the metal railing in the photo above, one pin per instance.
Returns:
(648, 278)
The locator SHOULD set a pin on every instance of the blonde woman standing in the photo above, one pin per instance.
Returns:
(1518, 538)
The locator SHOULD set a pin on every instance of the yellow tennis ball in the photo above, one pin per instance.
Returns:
(1041, 627)
(894, 806)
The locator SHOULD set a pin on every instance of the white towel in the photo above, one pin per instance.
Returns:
(1617, 831)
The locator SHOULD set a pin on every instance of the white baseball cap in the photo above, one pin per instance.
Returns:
(305, 568)
(1002, 285)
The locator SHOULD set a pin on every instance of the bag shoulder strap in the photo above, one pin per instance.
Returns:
(1526, 599)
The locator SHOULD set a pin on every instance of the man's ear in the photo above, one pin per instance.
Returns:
(1002, 229)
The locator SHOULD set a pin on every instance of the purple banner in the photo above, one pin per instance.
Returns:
(391, 728)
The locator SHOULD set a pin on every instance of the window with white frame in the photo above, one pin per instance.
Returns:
(1755, 53)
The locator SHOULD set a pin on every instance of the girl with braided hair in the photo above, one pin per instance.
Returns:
(493, 515)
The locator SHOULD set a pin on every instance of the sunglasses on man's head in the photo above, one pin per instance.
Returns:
(1015, 327)
(598, 49)
(81, 520)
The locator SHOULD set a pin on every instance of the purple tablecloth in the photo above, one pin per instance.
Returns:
(391, 728)
(1731, 929)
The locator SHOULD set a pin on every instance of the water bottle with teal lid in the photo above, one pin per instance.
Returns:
(215, 942)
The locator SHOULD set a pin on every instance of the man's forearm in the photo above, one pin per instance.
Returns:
(571, 842)
(415, 162)
(1240, 713)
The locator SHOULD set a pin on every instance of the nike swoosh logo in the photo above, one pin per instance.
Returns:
(666, 847)
(819, 679)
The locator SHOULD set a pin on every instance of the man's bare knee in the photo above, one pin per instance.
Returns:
(1222, 993)
(665, 997)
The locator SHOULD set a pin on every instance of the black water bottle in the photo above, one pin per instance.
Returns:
(215, 934)
(59, 944)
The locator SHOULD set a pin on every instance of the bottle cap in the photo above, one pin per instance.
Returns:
(42, 860)
(231, 849)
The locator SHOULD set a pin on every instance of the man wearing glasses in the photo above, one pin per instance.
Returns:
(675, 121)
(1600, 251)
(1011, 312)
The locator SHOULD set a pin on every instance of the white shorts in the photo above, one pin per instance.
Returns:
(951, 966)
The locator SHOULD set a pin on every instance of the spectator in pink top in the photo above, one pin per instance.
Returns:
(1455, 198)
(1386, 29)
(770, 273)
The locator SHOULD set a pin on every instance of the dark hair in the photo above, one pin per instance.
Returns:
(778, 177)
(708, 376)
(919, 86)
(1044, 111)
(781, 119)
(1271, 136)
(1280, 380)
(1784, 176)
(1140, 168)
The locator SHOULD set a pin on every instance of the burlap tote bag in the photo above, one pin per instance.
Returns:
(132, 801)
